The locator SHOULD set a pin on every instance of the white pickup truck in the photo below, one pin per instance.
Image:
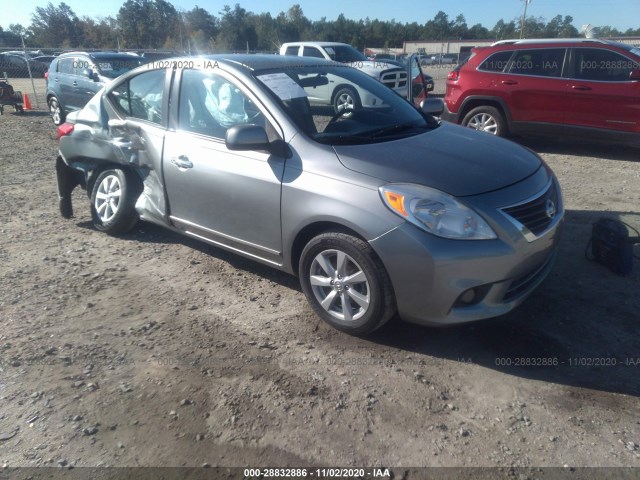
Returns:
(345, 96)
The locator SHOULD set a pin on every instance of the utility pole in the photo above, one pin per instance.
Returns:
(524, 17)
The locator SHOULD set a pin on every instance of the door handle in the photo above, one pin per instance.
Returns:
(509, 82)
(580, 87)
(182, 162)
(75, 84)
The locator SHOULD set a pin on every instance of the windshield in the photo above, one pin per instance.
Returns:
(344, 54)
(341, 105)
(112, 67)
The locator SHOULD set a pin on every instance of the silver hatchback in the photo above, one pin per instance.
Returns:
(378, 209)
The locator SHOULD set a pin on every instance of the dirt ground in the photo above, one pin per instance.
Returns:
(151, 349)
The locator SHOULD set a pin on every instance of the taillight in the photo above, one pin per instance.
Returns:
(64, 130)
(46, 75)
(453, 75)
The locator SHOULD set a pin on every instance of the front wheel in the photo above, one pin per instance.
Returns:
(486, 119)
(113, 200)
(56, 111)
(345, 283)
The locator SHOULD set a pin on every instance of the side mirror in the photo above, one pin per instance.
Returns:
(254, 137)
(87, 72)
(634, 76)
(432, 106)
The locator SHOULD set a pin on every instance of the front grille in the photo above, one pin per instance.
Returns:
(536, 214)
(394, 78)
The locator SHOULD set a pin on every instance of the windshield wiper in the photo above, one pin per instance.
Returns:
(391, 130)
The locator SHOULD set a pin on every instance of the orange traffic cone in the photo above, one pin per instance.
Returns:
(27, 102)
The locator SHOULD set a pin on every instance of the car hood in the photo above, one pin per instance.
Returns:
(450, 158)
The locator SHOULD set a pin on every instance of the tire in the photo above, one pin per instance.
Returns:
(346, 97)
(338, 270)
(57, 113)
(486, 119)
(113, 200)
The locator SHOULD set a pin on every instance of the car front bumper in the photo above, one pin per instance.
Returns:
(439, 281)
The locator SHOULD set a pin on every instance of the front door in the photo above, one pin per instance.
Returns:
(601, 92)
(228, 198)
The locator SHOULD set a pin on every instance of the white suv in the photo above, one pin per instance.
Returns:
(344, 96)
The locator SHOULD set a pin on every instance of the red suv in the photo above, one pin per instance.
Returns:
(561, 87)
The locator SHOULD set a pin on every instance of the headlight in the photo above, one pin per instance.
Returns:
(435, 212)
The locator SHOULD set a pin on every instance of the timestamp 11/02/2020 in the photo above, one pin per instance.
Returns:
(571, 361)
(326, 472)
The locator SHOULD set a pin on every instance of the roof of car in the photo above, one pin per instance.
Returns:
(103, 54)
(310, 44)
(560, 42)
(548, 40)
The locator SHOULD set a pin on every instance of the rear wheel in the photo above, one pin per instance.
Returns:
(113, 200)
(486, 119)
(345, 283)
(56, 111)
(346, 98)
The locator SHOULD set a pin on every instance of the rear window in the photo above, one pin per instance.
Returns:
(496, 62)
(291, 51)
(66, 65)
(312, 52)
(540, 62)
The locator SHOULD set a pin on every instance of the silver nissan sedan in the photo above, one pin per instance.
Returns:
(379, 208)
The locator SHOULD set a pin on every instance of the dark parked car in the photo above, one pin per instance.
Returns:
(585, 87)
(16, 66)
(378, 210)
(74, 77)
(46, 59)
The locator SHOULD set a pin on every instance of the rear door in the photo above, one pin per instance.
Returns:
(533, 85)
(601, 92)
(141, 100)
(64, 79)
(228, 198)
(85, 86)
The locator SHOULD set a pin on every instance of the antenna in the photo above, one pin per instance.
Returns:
(524, 16)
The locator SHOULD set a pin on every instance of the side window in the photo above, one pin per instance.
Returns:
(141, 96)
(540, 62)
(210, 104)
(602, 65)
(66, 65)
(292, 51)
(496, 62)
(312, 52)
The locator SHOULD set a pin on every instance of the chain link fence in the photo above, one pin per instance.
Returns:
(25, 71)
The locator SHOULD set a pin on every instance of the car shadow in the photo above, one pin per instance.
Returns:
(27, 113)
(146, 232)
(580, 328)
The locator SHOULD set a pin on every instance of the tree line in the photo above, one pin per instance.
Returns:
(157, 24)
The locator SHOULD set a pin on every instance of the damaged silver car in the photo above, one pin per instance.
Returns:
(379, 209)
